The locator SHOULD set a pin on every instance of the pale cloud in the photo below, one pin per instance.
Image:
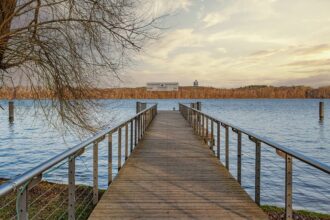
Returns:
(311, 63)
(314, 80)
(312, 49)
(247, 37)
(168, 6)
(213, 19)
(240, 10)
(172, 41)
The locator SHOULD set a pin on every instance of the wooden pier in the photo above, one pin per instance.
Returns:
(172, 174)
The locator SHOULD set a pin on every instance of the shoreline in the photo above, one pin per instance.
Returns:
(55, 196)
(187, 92)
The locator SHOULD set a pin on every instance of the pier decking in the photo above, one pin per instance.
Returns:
(172, 174)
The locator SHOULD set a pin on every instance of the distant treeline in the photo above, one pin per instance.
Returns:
(183, 93)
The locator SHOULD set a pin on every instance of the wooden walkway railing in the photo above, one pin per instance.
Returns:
(172, 174)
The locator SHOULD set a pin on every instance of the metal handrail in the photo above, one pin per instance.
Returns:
(317, 164)
(200, 123)
(15, 183)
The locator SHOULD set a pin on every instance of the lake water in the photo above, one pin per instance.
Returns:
(293, 123)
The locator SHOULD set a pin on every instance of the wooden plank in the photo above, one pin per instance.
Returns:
(172, 174)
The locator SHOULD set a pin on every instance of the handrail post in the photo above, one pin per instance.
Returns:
(135, 131)
(72, 188)
(131, 144)
(239, 157)
(227, 146)
(257, 172)
(212, 135)
(109, 158)
(199, 124)
(189, 116)
(119, 148)
(288, 187)
(22, 204)
(126, 141)
(207, 129)
(145, 123)
(193, 121)
(142, 124)
(139, 128)
(95, 174)
(218, 140)
(196, 122)
(203, 126)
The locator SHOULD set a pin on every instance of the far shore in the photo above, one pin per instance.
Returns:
(184, 92)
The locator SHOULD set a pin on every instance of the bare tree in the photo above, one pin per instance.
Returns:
(66, 46)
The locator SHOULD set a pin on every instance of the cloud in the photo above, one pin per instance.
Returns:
(235, 42)
(173, 41)
(169, 6)
(247, 36)
(265, 53)
(214, 19)
(315, 49)
(315, 80)
(310, 63)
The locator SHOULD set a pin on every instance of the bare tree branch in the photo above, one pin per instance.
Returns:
(65, 46)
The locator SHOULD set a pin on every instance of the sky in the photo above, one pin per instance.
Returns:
(234, 43)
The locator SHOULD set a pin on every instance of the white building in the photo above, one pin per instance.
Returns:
(162, 86)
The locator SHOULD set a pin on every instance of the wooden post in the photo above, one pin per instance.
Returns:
(199, 106)
(138, 107)
(321, 110)
(11, 110)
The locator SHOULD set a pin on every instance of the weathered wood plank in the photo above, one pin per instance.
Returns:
(172, 174)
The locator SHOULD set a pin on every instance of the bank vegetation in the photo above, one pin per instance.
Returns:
(293, 92)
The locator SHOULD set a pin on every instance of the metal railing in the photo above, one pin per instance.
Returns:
(25, 182)
(200, 123)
